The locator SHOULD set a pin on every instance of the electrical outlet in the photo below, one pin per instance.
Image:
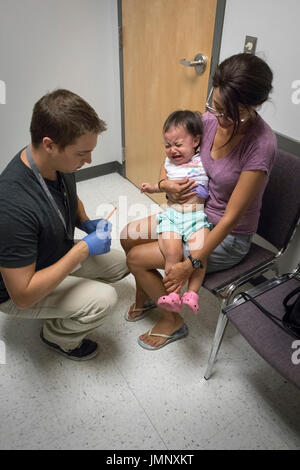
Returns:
(250, 45)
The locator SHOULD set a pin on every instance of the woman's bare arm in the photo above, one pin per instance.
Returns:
(247, 187)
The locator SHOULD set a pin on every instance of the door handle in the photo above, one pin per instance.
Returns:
(199, 63)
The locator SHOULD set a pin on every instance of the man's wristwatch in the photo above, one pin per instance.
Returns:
(196, 263)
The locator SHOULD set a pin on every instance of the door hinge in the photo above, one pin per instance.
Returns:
(123, 154)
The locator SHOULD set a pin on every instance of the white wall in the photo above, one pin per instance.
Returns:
(46, 44)
(276, 25)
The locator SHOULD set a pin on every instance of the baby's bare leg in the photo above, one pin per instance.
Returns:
(196, 242)
(170, 244)
(190, 298)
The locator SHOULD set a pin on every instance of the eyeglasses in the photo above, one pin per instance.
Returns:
(213, 111)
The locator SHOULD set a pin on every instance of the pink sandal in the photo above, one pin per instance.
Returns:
(191, 300)
(171, 302)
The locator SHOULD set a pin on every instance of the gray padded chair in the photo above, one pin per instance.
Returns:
(279, 219)
(276, 346)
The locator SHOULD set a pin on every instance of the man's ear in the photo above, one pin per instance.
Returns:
(48, 144)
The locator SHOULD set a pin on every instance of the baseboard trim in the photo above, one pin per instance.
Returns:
(100, 170)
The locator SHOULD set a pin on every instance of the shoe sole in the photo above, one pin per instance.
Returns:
(179, 334)
(169, 307)
(77, 359)
(62, 353)
(189, 309)
(141, 316)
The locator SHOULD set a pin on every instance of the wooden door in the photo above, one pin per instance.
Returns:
(157, 34)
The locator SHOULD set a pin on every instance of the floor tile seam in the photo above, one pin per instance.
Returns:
(222, 429)
(282, 424)
(288, 444)
(238, 418)
(256, 358)
(50, 399)
(140, 404)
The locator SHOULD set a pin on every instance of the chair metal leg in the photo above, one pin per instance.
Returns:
(220, 330)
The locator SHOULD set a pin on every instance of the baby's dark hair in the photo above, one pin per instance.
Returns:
(191, 120)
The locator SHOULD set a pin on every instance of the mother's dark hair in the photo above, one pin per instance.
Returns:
(242, 79)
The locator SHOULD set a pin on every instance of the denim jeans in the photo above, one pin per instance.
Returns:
(229, 253)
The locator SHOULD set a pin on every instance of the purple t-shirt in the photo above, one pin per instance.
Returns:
(256, 151)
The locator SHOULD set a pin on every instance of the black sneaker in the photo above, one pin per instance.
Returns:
(87, 350)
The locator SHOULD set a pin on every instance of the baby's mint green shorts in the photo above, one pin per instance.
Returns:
(184, 223)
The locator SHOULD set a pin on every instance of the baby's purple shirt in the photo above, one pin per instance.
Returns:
(256, 151)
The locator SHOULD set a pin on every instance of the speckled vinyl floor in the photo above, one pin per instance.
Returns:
(129, 398)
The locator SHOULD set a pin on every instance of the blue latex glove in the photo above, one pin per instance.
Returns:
(99, 241)
(90, 226)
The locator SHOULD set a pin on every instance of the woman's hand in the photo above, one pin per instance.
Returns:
(177, 275)
(179, 191)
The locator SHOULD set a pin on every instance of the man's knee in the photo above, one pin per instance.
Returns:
(107, 300)
(100, 304)
(119, 268)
